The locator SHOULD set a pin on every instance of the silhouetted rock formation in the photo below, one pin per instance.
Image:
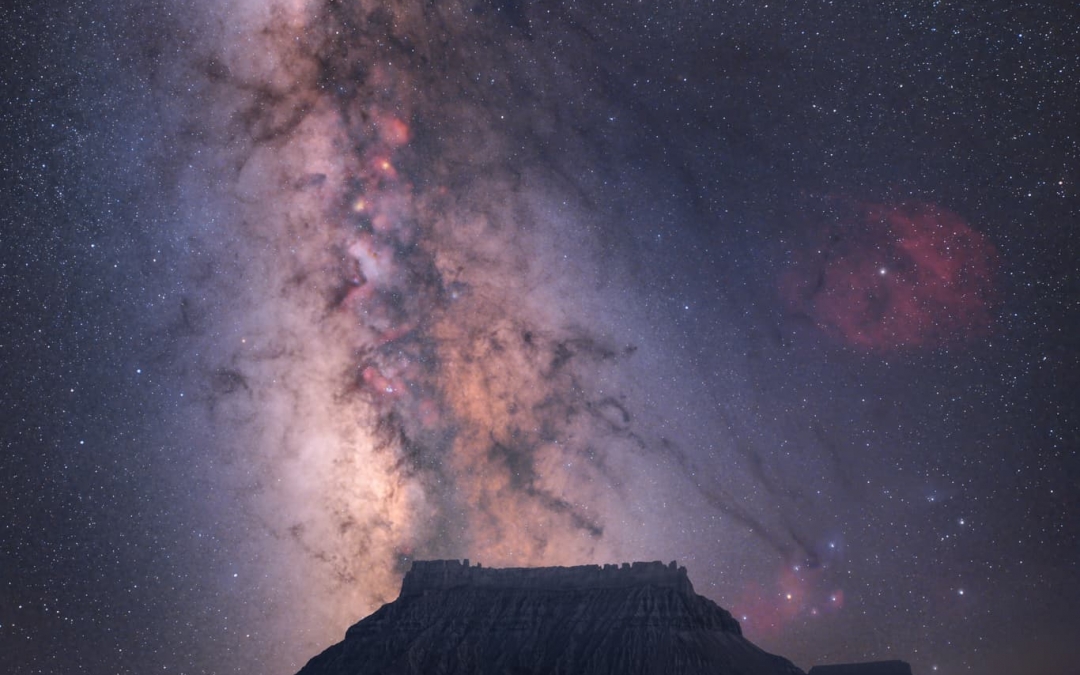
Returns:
(639, 619)
(431, 575)
(872, 668)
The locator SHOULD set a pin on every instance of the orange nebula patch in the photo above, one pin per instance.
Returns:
(896, 276)
(393, 131)
(386, 168)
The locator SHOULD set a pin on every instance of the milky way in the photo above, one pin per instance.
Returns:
(297, 293)
(421, 362)
(421, 367)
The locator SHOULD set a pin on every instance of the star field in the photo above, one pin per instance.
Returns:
(295, 293)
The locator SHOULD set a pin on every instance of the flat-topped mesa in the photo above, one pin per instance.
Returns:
(427, 575)
(640, 618)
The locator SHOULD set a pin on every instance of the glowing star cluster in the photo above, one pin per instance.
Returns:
(895, 276)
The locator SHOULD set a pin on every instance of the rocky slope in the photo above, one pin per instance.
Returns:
(639, 619)
(874, 668)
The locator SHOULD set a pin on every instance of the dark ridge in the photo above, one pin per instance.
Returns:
(641, 618)
(871, 668)
(429, 575)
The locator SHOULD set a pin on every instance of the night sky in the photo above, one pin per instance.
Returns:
(294, 293)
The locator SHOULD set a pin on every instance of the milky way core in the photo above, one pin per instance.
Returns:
(417, 366)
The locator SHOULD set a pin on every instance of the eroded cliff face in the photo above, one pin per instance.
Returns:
(871, 668)
(641, 619)
(431, 575)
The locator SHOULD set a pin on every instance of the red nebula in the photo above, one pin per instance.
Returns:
(379, 384)
(393, 131)
(896, 276)
(797, 593)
